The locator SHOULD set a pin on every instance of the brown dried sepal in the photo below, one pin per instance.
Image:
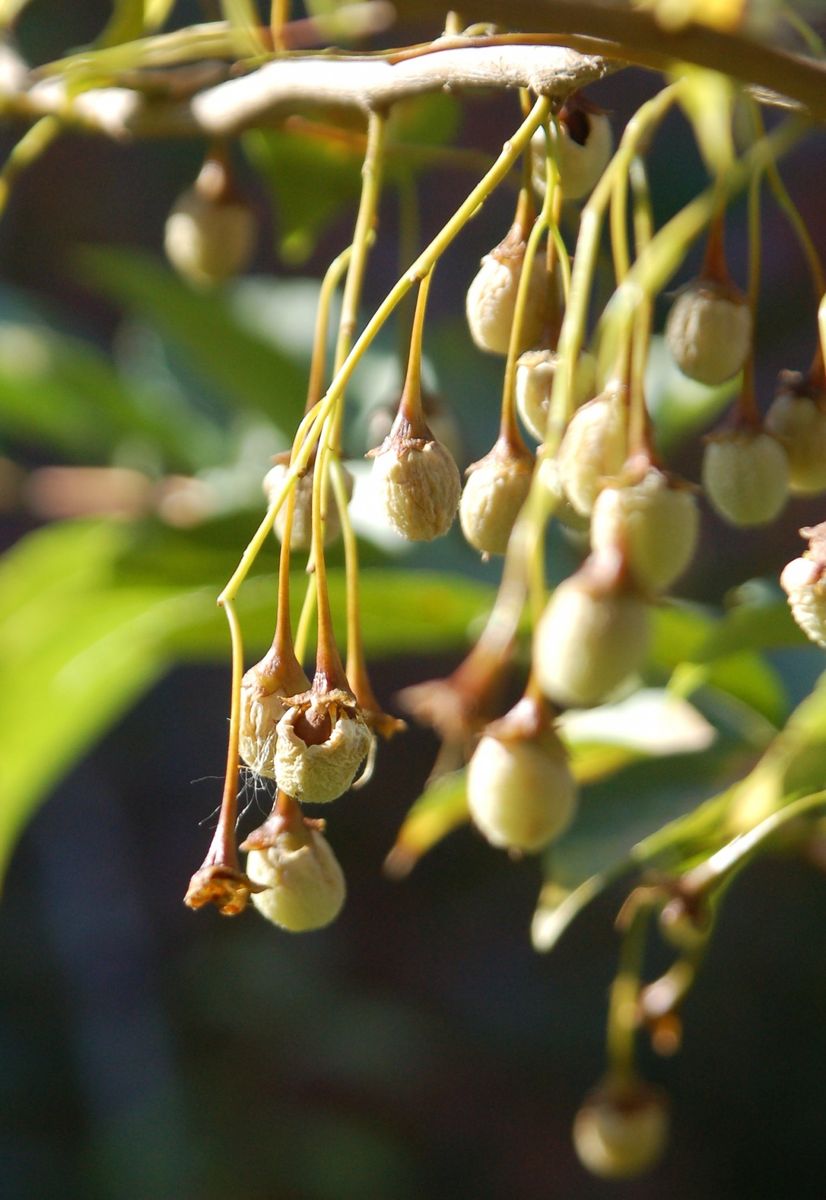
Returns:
(228, 888)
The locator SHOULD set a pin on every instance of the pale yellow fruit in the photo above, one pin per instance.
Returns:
(305, 887)
(419, 486)
(208, 241)
(535, 372)
(302, 526)
(653, 523)
(521, 792)
(319, 773)
(494, 492)
(587, 643)
(802, 580)
(799, 424)
(491, 299)
(580, 162)
(709, 331)
(746, 476)
(593, 449)
(618, 1136)
(263, 692)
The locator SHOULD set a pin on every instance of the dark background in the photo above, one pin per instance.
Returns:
(419, 1047)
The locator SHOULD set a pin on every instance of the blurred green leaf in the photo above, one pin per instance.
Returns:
(251, 372)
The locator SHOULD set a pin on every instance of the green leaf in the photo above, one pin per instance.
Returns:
(441, 808)
(251, 372)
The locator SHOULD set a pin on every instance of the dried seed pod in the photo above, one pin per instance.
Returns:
(594, 447)
(211, 231)
(709, 331)
(803, 581)
(264, 692)
(583, 148)
(496, 489)
(593, 634)
(302, 526)
(746, 476)
(303, 886)
(520, 789)
(622, 1129)
(322, 741)
(654, 522)
(491, 297)
(797, 418)
(418, 483)
(535, 373)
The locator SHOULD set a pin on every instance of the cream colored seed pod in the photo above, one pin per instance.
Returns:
(709, 331)
(583, 152)
(535, 373)
(496, 488)
(264, 689)
(316, 772)
(491, 297)
(302, 526)
(589, 639)
(593, 448)
(521, 792)
(802, 580)
(799, 424)
(419, 486)
(746, 476)
(209, 241)
(619, 1133)
(305, 887)
(654, 523)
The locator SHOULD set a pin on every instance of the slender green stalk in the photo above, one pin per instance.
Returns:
(638, 429)
(32, 144)
(623, 1005)
(279, 16)
(225, 831)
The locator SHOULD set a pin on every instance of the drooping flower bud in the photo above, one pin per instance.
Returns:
(797, 418)
(654, 522)
(622, 1129)
(535, 373)
(417, 481)
(322, 741)
(804, 583)
(520, 789)
(594, 447)
(709, 331)
(496, 489)
(265, 690)
(491, 297)
(583, 147)
(302, 886)
(302, 520)
(746, 475)
(211, 231)
(593, 635)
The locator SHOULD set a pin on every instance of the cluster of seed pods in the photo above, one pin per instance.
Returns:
(596, 471)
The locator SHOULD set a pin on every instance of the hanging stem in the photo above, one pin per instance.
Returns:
(639, 429)
(332, 278)
(279, 16)
(623, 1006)
(32, 144)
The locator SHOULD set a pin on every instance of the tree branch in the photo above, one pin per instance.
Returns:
(267, 94)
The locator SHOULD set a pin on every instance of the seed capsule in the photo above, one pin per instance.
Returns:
(264, 690)
(653, 522)
(621, 1130)
(797, 418)
(211, 231)
(583, 148)
(594, 448)
(418, 484)
(491, 297)
(746, 476)
(304, 886)
(592, 635)
(520, 789)
(322, 741)
(496, 489)
(302, 526)
(709, 331)
(535, 373)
